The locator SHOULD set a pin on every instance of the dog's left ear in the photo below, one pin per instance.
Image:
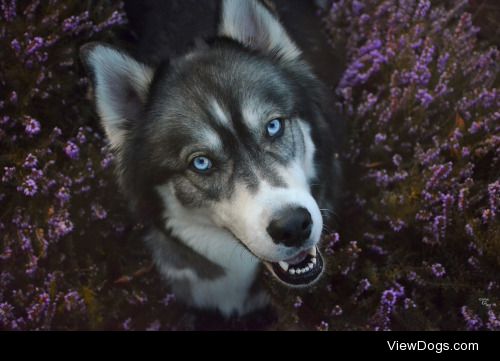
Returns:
(252, 24)
(121, 86)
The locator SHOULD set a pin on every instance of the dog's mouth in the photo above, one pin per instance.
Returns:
(299, 271)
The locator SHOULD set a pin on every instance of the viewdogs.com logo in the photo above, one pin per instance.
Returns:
(437, 347)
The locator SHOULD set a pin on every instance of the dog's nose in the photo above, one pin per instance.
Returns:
(291, 227)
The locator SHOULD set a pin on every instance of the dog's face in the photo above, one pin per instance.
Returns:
(222, 136)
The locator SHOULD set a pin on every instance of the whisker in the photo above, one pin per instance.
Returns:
(326, 228)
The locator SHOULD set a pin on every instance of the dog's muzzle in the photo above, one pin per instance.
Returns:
(292, 227)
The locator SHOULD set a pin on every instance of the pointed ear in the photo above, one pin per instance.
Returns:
(121, 86)
(252, 24)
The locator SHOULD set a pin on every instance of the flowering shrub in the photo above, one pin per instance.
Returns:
(421, 231)
(417, 244)
(63, 230)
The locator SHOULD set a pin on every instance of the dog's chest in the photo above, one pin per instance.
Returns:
(232, 291)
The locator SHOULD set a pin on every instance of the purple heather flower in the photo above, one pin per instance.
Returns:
(447, 202)
(442, 62)
(98, 212)
(367, 105)
(8, 174)
(364, 284)
(107, 160)
(473, 261)
(389, 298)
(32, 265)
(333, 240)
(494, 197)
(370, 46)
(13, 97)
(492, 285)
(32, 127)
(397, 225)
(439, 172)
(16, 46)
(408, 304)
(473, 322)
(6, 314)
(336, 311)
(63, 195)
(469, 230)
(7, 253)
(34, 45)
(56, 132)
(298, 302)
(439, 227)
(126, 325)
(168, 299)
(5, 120)
(116, 18)
(357, 7)
(25, 242)
(30, 162)
(81, 136)
(399, 289)
(72, 150)
(412, 276)
(493, 323)
(61, 225)
(73, 22)
(5, 279)
(462, 199)
(39, 308)
(438, 270)
(377, 250)
(29, 187)
(422, 9)
(380, 138)
(475, 127)
(363, 19)
(323, 326)
(465, 152)
(397, 159)
(73, 301)
(486, 216)
(8, 8)
(154, 326)
(424, 97)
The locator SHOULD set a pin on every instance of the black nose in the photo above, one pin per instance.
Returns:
(291, 227)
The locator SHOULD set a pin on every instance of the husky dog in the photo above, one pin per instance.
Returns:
(229, 153)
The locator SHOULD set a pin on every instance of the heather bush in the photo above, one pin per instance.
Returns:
(416, 244)
(64, 230)
(420, 237)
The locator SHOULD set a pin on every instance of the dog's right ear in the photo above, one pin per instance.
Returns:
(121, 86)
(253, 25)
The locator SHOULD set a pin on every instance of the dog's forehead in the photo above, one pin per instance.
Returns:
(225, 87)
(217, 102)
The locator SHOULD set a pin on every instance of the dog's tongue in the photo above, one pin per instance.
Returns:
(297, 259)
(301, 270)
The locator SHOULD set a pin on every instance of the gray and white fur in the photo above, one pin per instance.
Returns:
(211, 231)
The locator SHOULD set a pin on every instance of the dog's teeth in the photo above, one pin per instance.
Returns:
(284, 265)
(292, 271)
(314, 260)
(298, 271)
(312, 251)
(310, 265)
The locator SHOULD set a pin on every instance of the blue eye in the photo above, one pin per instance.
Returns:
(274, 128)
(201, 164)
